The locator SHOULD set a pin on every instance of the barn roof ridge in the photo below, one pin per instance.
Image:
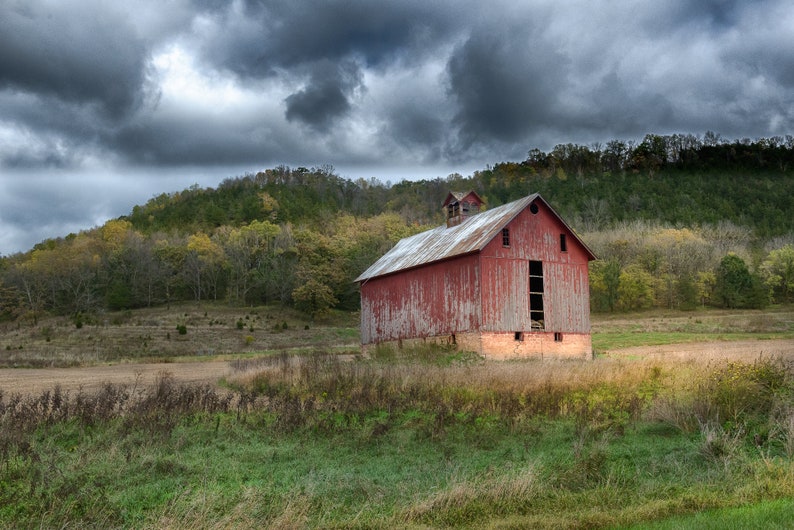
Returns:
(444, 242)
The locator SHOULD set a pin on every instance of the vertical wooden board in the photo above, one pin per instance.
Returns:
(438, 299)
(567, 299)
(505, 295)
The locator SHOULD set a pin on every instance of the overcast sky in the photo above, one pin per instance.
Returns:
(105, 104)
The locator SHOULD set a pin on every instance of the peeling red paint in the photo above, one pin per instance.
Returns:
(464, 279)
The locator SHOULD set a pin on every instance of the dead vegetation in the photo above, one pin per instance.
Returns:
(161, 334)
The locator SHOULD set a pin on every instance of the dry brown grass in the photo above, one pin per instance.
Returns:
(151, 334)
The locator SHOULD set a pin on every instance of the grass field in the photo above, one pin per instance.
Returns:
(705, 325)
(304, 438)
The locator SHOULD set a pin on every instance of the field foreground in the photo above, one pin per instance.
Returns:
(682, 436)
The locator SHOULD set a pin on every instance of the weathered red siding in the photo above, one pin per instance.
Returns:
(505, 277)
(438, 299)
(483, 297)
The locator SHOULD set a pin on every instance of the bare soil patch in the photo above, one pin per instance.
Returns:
(735, 350)
(34, 381)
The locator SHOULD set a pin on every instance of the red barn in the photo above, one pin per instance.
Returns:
(507, 282)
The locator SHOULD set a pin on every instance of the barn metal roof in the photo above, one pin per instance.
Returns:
(441, 243)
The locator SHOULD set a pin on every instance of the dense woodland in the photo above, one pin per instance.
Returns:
(677, 221)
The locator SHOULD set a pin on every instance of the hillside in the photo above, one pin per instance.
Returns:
(663, 216)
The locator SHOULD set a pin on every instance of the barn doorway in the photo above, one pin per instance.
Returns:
(536, 314)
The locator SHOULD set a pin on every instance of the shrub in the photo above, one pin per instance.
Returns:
(182, 329)
(740, 392)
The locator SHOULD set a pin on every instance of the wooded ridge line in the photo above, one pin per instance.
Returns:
(677, 221)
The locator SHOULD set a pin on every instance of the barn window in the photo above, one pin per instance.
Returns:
(519, 335)
(557, 336)
(453, 210)
(505, 237)
(536, 290)
(563, 243)
(533, 208)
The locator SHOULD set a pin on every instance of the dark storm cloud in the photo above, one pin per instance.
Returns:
(325, 98)
(113, 89)
(72, 52)
(179, 139)
(263, 37)
(505, 84)
(329, 42)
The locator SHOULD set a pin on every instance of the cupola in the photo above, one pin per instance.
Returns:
(459, 206)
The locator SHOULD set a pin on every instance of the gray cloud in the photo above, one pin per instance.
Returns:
(260, 38)
(107, 90)
(505, 84)
(326, 96)
(72, 52)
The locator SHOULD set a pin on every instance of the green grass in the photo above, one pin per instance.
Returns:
(427, 438)
(655, 328)
(317, 442)
(769, 515)
(217, 470)
(606, 341)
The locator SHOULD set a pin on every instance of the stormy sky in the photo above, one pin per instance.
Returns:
(106, 104)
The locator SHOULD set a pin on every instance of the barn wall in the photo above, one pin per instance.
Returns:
(567, 297)
(505, 276)
(435, 300)
(505, 301)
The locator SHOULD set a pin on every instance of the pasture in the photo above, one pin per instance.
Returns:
(670, 426)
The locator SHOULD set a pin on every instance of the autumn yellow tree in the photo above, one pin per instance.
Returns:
(204, 263)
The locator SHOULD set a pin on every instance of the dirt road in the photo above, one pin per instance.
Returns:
(31, 381)
(27, 381)
(745, 350)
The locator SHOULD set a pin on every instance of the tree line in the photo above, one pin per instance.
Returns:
(676, 221)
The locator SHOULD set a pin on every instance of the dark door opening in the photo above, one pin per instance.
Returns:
(536, 295)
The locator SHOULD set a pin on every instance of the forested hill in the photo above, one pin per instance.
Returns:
(677, 179)
(677, 221)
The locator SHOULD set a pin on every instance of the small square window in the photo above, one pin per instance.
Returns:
(519, 336)
(505, 237)
(557, 336)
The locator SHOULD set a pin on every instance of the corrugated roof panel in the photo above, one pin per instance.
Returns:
(443, 243)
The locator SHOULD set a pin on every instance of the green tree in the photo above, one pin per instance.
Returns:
(687, 292)
(778, 273)
(604, 284)
(11, 303)
(635, 288)
(247, 249)
(204, 262)
(736, 287)
(314, 298)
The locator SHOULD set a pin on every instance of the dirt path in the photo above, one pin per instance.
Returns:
(32, 381)
(745, 350)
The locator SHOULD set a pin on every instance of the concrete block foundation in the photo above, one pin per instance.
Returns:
(504, 346)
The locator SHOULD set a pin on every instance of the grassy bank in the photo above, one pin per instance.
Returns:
(431, 440)
(653, 328)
